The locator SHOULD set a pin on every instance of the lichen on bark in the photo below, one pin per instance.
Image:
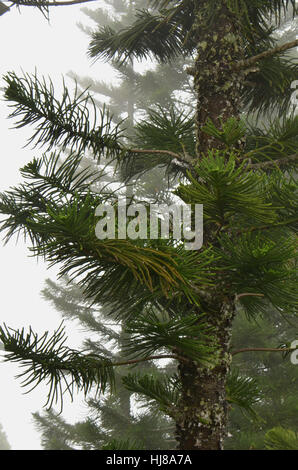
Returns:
(203, 406)
(217, 84)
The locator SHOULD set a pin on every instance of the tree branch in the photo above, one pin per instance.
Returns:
(247, 294)
(150, 358)
(184, 158)
(238, 351)
(272, 163)
(41, 3)
(3, 8)
(242, 64)
(266, 227)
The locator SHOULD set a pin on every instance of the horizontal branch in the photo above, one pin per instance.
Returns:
(163, 152)
(238, 351)
(150, 358)
(40, 3)
(272, 163)
(247, 294)
(270, 52)
(266, 227)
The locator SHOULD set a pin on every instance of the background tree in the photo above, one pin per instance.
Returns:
(136, 94)
(274, 373)
(116, 414)
(273, 382)
(114, 419)
(136, 91)
(4, 444)
(190, 298)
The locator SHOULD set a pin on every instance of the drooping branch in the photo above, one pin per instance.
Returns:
(243, 64)
(47, 357)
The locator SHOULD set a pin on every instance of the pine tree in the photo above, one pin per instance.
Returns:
(177, 303)
(247, 428)
(272, 371)
(135, 94)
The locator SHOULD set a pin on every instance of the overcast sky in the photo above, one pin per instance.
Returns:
(27, 42)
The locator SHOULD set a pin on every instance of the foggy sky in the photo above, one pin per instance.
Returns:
(29, 42)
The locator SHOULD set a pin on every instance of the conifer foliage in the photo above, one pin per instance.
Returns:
(177, 304)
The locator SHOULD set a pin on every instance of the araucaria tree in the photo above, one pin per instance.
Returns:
(177, 303)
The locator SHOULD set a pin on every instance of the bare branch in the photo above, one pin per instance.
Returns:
(267, 227)
(243, 64)
(238, 351)
(185, 158)
(150, 358)
(273, 163)
(41, 3)
(247, 294)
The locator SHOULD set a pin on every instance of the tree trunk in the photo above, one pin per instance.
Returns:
(217, 83)
(203, 408)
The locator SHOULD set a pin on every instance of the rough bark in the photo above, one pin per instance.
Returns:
(217, 84)
(203, 406)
